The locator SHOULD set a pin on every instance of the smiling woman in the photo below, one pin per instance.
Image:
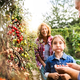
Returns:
(37, 8)
(43, 50)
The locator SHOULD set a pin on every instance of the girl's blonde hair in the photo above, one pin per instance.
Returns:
(58, 36)
(39, 30)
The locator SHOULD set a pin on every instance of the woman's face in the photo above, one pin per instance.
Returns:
(44, 31)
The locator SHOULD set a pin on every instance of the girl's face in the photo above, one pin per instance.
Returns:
(44, 31)
(58, 45)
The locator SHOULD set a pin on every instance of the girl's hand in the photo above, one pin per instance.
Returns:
(55, 75)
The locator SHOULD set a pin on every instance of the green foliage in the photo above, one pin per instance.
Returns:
(18, 37)
(61, 13)
(72, 38)
(65, 22)
(64, 32)
(78, 62)
(3, 2)
(76, 41)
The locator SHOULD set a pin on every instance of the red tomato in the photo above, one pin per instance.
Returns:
(2, 79)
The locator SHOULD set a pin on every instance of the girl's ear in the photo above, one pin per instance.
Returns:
(64, 46)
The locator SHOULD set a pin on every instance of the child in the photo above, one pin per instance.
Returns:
(59, 58)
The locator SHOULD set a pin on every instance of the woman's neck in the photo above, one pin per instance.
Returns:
(45, 39)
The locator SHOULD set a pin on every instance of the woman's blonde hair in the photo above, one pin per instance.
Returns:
(39, 30)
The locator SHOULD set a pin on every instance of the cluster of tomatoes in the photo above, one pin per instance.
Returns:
(15, 32)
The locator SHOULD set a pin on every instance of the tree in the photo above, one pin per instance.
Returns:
(15, 36)
(61, 14)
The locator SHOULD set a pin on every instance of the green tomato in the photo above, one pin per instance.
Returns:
(14, 40)
(22, 43)
(25, 52)
(22, 54)
(12, 17)
(25, 43)
(25, 55)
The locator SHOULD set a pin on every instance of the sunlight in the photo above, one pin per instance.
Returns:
(34, 23)
(37, 8)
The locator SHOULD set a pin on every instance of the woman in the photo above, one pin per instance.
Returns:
(43, 50)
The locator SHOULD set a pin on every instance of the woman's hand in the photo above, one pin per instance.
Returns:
(60, 70)
(74, 66)
(65, 76)
(70, 71)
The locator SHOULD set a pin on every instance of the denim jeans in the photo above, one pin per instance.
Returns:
(42, 73)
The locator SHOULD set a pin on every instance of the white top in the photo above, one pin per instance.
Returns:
(46, 52)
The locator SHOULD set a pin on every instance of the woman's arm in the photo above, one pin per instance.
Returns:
(72, 72)
(41, 61)
(65, 76)
(74, 66)
(38, 58)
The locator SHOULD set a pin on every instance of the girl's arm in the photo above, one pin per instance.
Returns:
(54, 75)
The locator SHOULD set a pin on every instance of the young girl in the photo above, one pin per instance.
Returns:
(59, 58)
